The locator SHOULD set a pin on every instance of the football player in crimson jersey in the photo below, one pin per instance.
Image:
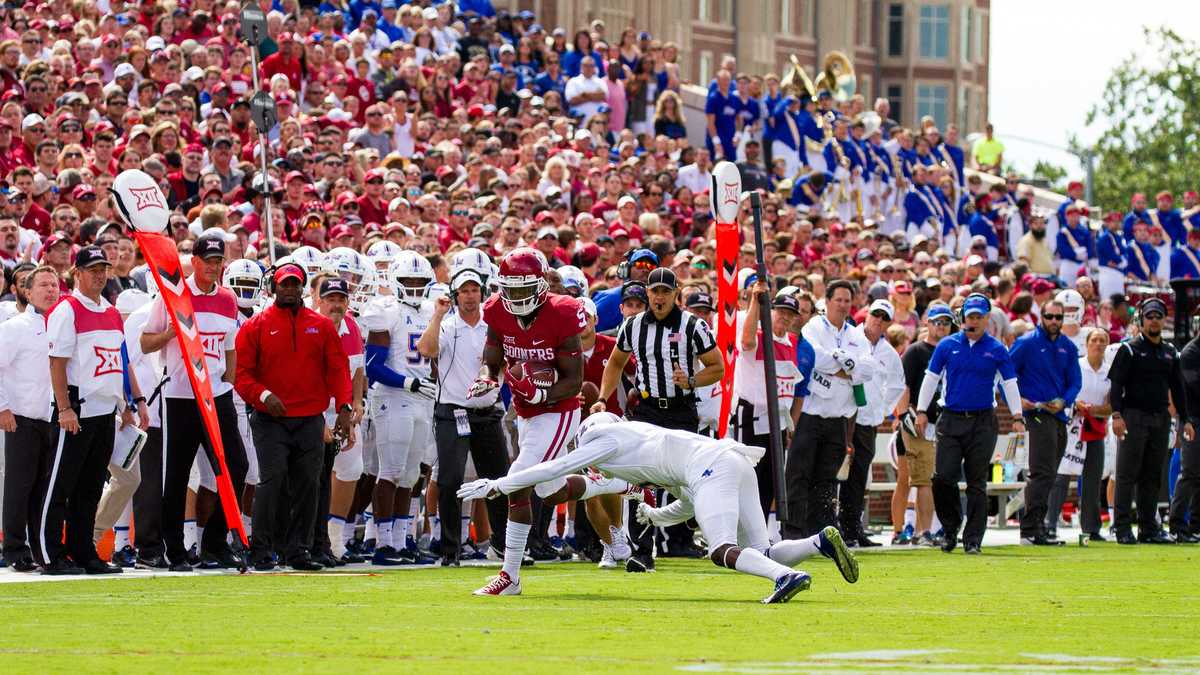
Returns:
(528, 324)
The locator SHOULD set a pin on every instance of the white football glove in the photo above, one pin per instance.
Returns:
(481, 387)
(647, 515)
(844, 360)
(484, 488)
(423, 387)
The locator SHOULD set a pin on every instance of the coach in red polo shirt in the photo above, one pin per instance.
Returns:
(290, 363)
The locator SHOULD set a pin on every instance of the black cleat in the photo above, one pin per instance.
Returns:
(24, 564)
(542, 551)
(640, 562)
(1096, 537)
(950, 542)
(264, 565)
(98, 566)
(60, 567)
(972, 549)
(305, 564)
(158, 562)
(180, 567)
(1126, 538)
(126, 557)
(1156, 537)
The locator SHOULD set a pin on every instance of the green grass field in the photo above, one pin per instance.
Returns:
(1101, 608)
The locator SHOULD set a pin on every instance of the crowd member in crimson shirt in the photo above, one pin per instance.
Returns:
(458, 229)
(284, 61)
(370, 206)
(32, 215)
(8, 160)
(290, 363)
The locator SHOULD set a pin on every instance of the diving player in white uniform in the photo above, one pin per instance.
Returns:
(715, 483)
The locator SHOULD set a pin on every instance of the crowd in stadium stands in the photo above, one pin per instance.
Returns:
(449, 130)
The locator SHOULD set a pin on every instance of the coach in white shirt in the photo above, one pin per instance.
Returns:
(883, 391)
(25, 412)
(586, 92)
(823, 433)
(87, 373)
(461, 424)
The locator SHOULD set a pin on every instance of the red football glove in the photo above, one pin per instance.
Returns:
(524, 388)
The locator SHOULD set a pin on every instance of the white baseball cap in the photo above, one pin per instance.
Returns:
(124, 70)
(884, 306)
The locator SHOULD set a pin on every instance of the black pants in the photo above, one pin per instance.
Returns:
(28, 452)
(147, 499)
(852, 492)
(1140, 459)
(77, 476)
(291, 453)
(1089, 491)
(813, 461)
(964, 443)
(743, 428)
(183, 431)
(321, 543)
(1047, 442)
(682, 418)
(486, 447)
(1185, 505)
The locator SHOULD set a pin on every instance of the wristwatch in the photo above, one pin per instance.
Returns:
(346, 408)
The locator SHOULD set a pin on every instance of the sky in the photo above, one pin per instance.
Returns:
(1050, 60)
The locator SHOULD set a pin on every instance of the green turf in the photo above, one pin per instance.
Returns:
(1139, 603)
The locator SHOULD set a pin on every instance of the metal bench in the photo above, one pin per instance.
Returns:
(1011, 496)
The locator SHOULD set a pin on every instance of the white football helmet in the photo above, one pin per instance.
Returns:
(597, 419)
(309, 258)
(1073, 305)
(410, 273)
(244, 277)
(356, 270)
(471, 259)
(435, 291)
(573, 277)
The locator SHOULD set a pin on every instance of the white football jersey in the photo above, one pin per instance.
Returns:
(405, 324)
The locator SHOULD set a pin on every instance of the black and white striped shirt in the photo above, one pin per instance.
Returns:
(680, 338)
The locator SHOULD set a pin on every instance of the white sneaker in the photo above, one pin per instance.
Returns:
(501, 584)
(621, 550)
(606, 560)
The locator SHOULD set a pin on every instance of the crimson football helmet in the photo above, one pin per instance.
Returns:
(522, 280)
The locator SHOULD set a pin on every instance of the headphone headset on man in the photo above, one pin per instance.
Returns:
(269, 277)
(962, 317)
(1139, 316)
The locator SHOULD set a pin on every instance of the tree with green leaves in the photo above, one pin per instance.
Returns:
(1151, 110)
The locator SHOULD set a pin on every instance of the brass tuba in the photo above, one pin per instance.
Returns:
(837, 75)
(796, 82)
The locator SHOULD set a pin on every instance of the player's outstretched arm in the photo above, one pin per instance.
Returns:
(594, 451)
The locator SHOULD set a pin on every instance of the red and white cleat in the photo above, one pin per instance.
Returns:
(501, 584)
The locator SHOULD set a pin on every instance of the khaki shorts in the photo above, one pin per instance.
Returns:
(920, 455)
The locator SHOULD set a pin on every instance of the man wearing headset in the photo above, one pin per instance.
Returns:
(463, 425)
(290, 362)
(1144, 372)
(967, 429)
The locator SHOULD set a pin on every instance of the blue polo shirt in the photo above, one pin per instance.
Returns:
(969, 372)
(1047, 369)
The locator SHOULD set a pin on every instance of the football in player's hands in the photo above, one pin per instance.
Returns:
(589, 393)
(543, 375)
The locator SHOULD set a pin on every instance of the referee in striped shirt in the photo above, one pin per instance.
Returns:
(675, 354)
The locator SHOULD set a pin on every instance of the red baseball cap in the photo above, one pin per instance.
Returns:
(375, 173)
(1191, 194)
(1074, 185)
(294, 175)
(346, 196)
(1165, 194)
(289, 271)
(902, 287)
(340, 231)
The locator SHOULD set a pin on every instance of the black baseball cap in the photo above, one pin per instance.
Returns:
(634, 290)
(333, 285)
(702, 300)
(788, 302)
(209, 247)
(1153, 305)
(661, 277)
(89, 256)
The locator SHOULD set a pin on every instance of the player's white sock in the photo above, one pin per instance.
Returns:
(189, 533)
(334, 527)
(347, 532)
(247, 520)
(400, 531)
(435, 528)
(464, 534)
(552, 528)
(910, 518)
(514, 547)
(569, 531)
(935, 524)
(384, 538)
(593, 487)
(751, 561)
(200, 535)
(372, 528)
(773, 534)
(791, 551)
(120, 537)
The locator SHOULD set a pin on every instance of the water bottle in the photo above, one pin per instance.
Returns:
(860, 395)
